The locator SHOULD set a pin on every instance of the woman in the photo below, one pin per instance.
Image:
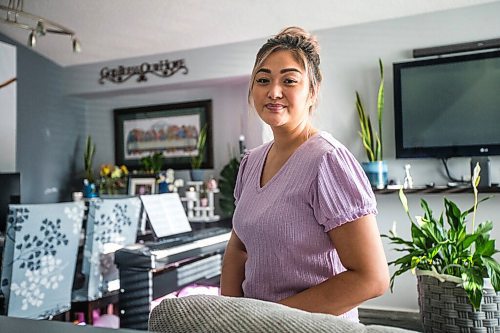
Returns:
(304, 231)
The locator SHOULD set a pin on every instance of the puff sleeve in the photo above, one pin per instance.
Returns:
(341, 192)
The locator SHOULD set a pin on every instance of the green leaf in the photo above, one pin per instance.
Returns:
(418, 236)
(429, 228)
(493, 269)
(484, 228)
(453, 214)
(469, 239)
(405, 259)
(397, 273)
(470, 210)
(197, 161)
(397, 240)
(427, 210)
(485, 247)
(473, 285)
(380, 108)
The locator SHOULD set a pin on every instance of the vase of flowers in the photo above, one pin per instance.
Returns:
(113, 179)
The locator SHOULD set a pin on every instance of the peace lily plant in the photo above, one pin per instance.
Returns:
(443, 250)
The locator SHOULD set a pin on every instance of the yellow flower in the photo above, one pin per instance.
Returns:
(105, 170)
(117, 173)
(124, 169)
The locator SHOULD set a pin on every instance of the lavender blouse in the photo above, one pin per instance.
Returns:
(284, 224)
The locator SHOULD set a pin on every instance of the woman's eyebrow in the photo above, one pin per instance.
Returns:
(284, 70)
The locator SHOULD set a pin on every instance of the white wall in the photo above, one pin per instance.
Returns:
(8, 108)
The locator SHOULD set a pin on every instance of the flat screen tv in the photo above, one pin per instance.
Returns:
(448, 106)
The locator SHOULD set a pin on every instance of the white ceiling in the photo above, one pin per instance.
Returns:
(114, 29)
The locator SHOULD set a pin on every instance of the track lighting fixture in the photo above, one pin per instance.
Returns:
(14, 15)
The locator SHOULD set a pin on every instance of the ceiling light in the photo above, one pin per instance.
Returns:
(37, 25)
(32, 39)
(77, 48)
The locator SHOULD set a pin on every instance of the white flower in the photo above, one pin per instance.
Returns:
(25, 305)
(420, 220)
(76, 215)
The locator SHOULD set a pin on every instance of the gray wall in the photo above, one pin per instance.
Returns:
(48, 127)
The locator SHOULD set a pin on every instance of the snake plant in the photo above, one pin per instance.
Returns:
(372, 141)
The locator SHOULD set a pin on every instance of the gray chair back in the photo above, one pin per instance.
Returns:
(39, 258)
(111, 224)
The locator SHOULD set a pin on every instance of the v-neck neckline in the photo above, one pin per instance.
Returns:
(284, 166)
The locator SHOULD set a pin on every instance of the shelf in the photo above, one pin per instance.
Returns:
(440, 189)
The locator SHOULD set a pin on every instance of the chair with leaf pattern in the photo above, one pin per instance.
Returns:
(39, 258)
(111, 224)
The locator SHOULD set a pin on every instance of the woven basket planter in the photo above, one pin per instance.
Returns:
(445, 307)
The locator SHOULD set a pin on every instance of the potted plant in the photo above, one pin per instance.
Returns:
(375, 168)
(152, 164)
(227, 183)
(453, 261)
(197, 160)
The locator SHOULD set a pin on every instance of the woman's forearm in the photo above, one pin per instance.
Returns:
(339, 294)
(366, 276)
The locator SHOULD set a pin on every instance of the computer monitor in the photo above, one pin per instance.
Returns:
(10, 193)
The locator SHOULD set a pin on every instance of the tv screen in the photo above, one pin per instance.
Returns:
(448, 106)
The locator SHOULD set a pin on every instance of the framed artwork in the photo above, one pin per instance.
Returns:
(141, 185)
(170, 129)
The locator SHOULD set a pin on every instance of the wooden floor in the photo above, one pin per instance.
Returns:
(400, 319)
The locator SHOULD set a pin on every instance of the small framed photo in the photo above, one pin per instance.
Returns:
(141, 185)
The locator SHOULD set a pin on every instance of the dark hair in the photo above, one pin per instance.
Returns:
(303, 46)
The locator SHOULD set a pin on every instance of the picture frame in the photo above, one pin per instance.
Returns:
(141, 185)
(170, 129)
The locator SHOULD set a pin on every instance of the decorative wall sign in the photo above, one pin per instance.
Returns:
(163, 68)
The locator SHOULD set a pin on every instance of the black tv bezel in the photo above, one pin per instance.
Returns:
(438, 151)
